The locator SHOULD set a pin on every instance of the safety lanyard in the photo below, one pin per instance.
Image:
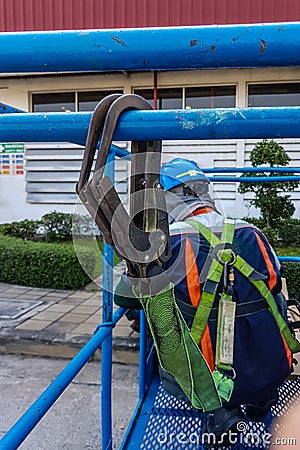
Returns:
(223, 255)
(213, 279)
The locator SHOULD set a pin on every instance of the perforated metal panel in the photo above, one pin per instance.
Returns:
(169, 424)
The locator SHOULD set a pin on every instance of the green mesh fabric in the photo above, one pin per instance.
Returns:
(165, 324)
(177, 352)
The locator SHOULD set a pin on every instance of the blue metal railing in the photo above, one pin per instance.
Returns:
(16, 435)
(193, 124)
(248, 179)
(173, 48)
(289, 258)
(103, 336)
(106, 359)
(252, 169)
(271, 45)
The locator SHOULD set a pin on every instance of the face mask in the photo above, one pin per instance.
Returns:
(180, 207)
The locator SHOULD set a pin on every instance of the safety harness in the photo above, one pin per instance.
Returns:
(225, 260)
(177, 347)
(143, 237)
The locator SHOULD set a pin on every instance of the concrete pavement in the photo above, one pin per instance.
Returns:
(49, 322)
(73, 422)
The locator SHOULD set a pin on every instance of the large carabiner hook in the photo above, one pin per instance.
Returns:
(142, 236)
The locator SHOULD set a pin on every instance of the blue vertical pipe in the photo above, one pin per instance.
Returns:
(143, 355)
(106, 360)
(21, 429)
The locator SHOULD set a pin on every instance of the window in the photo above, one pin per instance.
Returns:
(58, 102)
(210, 97)
(281, 94)
(87, 101)
(68, 101)
(195, 97)
(166, 98)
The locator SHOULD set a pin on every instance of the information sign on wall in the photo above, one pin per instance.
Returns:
(12, 158)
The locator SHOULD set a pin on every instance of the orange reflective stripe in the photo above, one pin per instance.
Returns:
(202, 210)
(192, 275)
(272, 274)
(272, 282)
(207, 349)
(193, 284)
(289, 354)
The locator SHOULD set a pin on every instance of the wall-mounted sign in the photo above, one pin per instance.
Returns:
(12, 158)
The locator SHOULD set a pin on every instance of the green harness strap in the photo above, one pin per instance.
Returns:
(244, 268)
(249, 272)
(214, 274)
(178, 353)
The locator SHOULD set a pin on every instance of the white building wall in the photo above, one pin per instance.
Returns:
(17, 91)
(230, 153)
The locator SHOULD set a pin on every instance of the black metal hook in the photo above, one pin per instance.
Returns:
(142, 236)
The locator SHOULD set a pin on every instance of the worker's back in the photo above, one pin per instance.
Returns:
(262, 359)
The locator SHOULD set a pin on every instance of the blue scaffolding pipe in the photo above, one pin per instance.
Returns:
(106, 360)
(122, 153)
(119, 152)
(251, 169)
(16, 435)
(289, 258)
(7, 109)
(231, 123)
(274, 179)
(174, 48)
(142, 356)
(236, 46)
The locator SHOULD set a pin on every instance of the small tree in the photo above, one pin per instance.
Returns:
(58, 226)
(268, 196)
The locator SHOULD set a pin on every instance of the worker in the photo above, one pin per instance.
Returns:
(225, 280)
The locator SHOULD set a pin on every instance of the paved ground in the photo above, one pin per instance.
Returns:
(50, 322)
(47, 322)
(73, 423)
(43, 323)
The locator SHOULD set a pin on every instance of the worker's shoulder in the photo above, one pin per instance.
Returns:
(213, 221)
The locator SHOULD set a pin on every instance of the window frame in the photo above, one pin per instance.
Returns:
(268, 83)
(185, 87)
(71, 91)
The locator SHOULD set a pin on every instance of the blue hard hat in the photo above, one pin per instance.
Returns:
(180, 171)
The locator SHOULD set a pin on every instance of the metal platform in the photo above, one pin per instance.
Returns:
(163, 422)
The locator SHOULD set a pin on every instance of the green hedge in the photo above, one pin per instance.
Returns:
(286, 232)
(291, 271)
(42, 264)
(51, 265)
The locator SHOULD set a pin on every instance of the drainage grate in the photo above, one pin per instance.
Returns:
(14, 308)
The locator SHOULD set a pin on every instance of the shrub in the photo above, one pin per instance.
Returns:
(286, 232)
(268, 196)
(45, 265)
(57, 226)
(291, 271)
(289, 232)
(25, 229)
(52, 227)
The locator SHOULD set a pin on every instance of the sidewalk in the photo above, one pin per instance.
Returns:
(50, 322)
